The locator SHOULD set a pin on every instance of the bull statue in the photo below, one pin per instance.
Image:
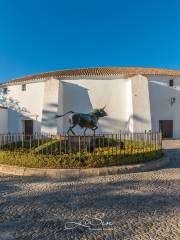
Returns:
(84, 120)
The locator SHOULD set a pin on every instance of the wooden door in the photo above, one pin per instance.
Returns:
(28, 127)
(166, 127)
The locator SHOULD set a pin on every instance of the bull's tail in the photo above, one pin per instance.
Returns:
(62, 115)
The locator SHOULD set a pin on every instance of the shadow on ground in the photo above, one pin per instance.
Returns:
(140, 206)
(35, 208)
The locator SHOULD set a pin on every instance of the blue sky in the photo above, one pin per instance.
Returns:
(46, 35)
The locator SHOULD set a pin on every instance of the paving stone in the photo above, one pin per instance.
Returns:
(140, 206)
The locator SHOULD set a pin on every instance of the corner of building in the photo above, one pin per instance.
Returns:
(140, 118)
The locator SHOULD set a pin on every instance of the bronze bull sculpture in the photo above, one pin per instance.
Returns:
(84, 120)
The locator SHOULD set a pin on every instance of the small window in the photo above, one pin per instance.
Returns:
(23, 87)
(171, 82)
(5, 90)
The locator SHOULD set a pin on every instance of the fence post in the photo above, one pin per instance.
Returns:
(60, 145)
(121, 144)
(30, 143)
(161, 142)
(65, 150)
(79, 147)
(22, 139)
(116, 145)
(112, 144)
(38, 140)
(94, 142)
(131, 135)
(125, 143)
(84, 143)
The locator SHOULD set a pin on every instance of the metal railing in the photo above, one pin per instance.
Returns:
(121, 143)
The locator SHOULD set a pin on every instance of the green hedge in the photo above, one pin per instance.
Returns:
(77, 160)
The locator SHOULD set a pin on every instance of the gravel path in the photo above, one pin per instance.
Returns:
(139, 206)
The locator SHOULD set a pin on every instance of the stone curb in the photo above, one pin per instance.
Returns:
(76, 173)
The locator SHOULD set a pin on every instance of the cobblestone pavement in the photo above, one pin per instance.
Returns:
(139, 205)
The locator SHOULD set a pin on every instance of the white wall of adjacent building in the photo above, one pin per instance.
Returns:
(24, 105)
(160, 102)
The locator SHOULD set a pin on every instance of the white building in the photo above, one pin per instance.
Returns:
(136, 99)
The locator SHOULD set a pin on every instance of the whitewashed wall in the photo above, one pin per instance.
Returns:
(3, 121)
(24, 105)
(140, 117)
(127, 103)
(60, 109)
(82, 95)
(50, 106)
(160, 96)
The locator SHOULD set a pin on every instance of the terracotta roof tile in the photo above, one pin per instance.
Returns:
(99, 71)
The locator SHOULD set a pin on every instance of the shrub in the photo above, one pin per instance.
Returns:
(75, 160)
(78, 151)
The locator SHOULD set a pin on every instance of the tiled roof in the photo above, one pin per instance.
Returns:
(99, 71)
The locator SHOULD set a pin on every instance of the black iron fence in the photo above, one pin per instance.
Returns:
(66, 151)
(115, 143)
